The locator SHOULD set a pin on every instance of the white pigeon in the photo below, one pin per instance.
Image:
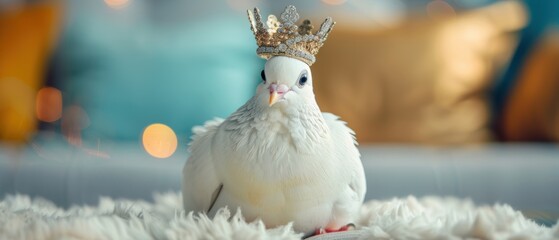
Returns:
(278, 158)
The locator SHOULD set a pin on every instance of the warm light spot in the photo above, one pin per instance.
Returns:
(74, 120)
(48, 105)
(159, 140)
(439, 8)
(334, 2)
(117, 4)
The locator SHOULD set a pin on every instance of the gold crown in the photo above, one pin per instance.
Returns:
(287, 39)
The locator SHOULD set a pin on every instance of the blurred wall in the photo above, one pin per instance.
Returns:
(396, 70)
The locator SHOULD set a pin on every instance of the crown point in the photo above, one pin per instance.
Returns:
(306, 27)
(290, 15)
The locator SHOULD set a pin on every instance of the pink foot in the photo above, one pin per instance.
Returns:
(330, 230)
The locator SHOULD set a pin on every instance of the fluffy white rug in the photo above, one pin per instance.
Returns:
(428, 218)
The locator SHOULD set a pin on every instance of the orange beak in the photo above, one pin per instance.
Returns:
(273, 97)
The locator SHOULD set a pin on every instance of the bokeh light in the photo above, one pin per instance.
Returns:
(159, 140)
(440, 8)
(48, 105)
(334, 2)
(117, 4)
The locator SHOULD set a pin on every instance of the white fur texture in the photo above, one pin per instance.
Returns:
(428, 218)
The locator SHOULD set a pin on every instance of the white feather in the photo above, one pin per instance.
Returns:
(199, 177)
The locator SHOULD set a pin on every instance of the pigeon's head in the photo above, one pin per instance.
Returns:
(286, 81)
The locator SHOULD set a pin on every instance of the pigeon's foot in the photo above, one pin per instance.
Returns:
(329, 230)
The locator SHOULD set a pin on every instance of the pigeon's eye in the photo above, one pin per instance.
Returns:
(263, 75)
(303, 79)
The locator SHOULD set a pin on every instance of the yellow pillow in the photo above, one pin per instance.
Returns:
(26, 38)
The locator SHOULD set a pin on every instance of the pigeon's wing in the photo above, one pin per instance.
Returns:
(345, 146)
(200, 183)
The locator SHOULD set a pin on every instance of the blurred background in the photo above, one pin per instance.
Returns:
(455, 97)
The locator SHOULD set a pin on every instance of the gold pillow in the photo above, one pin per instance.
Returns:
(424, 81)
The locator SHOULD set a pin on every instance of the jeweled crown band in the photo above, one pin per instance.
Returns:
(268, 52)
(284, 38)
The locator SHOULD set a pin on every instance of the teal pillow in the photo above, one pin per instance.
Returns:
(126, 72)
